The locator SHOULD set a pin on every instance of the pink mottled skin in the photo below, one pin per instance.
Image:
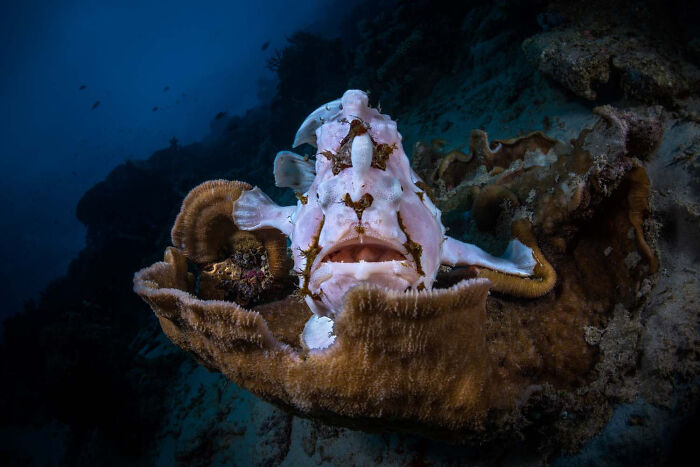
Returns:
(376, 249)
(392, 191)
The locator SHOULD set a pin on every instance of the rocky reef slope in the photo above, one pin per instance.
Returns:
(90, 378)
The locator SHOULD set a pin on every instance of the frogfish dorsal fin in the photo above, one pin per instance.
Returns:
(325, 113)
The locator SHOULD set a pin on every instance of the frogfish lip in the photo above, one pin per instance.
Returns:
(364, 248)
(364, 258)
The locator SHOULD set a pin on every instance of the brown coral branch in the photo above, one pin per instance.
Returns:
(205, 230)
(638, 202)
(505, 151)
(204, 223)
(275, 245)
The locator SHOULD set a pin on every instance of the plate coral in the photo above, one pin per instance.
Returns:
(471, 349)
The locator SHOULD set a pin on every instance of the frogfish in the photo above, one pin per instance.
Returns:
(361, 216)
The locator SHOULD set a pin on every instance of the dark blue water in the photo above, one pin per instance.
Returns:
(87, 85)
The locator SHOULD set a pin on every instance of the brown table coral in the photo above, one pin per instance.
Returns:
(453, 362)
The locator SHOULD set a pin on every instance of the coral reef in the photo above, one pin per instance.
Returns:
(389, 364)
(594, 223)
(457, 397)
(559, 187)
(544, 276)
(91, 378)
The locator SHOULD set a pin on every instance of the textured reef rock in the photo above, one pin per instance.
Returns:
(588, 202)
(600, 47)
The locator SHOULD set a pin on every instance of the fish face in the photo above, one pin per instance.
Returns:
(365, 220)
(359, 260)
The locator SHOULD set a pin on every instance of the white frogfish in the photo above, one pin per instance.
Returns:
(361, 216)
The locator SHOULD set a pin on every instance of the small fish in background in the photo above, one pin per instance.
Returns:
(82, 86)
(265, 45)
(220, 115)
(166, 89)
(95, 105)
(155, 108)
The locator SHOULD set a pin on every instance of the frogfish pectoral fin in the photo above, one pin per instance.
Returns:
(522, 270)
(255, 210)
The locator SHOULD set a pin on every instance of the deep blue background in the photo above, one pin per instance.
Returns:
(54, 146)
